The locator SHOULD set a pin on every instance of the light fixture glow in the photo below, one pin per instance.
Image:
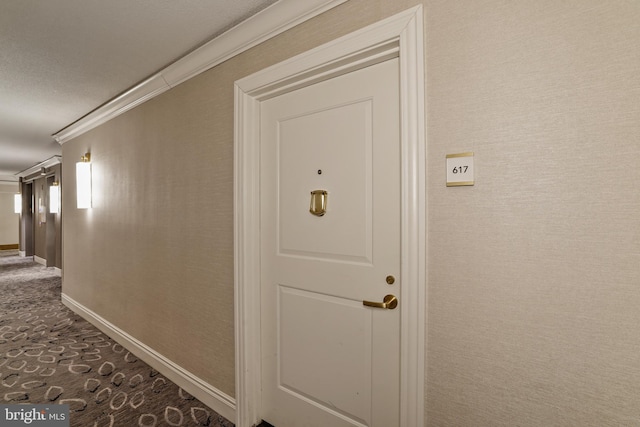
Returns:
(83, 182)
(17, 203)
(54, 198)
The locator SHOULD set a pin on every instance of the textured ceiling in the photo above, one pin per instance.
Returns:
(61, 59)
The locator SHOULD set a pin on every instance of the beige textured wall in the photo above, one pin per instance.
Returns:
(8, 218)
(534, 273)
(155, 254)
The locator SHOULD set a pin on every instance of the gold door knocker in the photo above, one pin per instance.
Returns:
(318, 206)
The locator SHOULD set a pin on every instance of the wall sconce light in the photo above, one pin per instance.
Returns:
(54, 198)
(83, 182)
(17, 203)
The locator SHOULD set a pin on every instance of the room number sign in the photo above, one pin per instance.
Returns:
(459, 169)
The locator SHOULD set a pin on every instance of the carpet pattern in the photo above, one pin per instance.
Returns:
(50, 355)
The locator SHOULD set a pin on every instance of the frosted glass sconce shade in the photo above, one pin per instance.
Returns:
(83, 182)
(17, 203)
(54, 198)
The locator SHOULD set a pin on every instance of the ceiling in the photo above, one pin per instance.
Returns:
(61, 59)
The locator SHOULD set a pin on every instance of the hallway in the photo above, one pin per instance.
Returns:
(48, 354)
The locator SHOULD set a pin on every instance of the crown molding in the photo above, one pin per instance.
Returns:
(268, 23)
(51, 161)
(149, 88)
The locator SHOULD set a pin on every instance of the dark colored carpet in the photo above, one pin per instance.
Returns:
(50, 355)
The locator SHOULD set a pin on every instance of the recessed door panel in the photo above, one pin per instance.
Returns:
(329, 150)
(308, 343)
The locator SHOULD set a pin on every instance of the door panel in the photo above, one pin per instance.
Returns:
(302, 157)
(341, 340)
(326, 358)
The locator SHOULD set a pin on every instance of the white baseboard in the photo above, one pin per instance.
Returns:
(220, 402)
(22, 254)
(39, 260)
(58, 271)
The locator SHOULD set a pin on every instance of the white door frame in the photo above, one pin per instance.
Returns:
(398, 36)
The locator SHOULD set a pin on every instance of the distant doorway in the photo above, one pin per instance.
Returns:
(27, 224)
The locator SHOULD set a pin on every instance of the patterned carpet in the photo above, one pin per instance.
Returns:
(50, 355)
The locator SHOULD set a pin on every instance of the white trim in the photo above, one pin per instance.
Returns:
(364, 47)
(57, 271)
(270, 22)
(51, 161)
(22, 254)
(150, 88)
(217, 400)
(39, 260)
(266, 24)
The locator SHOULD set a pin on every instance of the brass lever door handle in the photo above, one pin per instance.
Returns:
(389, 302)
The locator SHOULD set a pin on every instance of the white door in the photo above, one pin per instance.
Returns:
(327, 358)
